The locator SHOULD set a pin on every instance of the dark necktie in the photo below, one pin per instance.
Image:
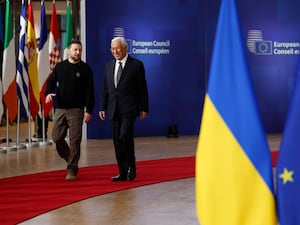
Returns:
(119, 72)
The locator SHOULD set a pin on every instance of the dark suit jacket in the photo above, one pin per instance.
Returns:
(131, 95)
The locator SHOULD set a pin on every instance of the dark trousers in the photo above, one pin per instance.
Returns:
(39, 126)
(123, 137)
(72, 120)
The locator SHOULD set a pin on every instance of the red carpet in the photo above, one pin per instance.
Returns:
(274, 156)
(24, 197)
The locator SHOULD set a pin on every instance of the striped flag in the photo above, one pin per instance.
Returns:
(234, 184)
(54, 54)
(43, 56)
(288, 167)
(69, 30)
(22, 67)
(9, 66)
(34, 93)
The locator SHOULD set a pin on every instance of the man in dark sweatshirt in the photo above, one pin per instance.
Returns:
(71, 84)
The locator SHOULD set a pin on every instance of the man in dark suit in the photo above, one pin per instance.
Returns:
(124, 97)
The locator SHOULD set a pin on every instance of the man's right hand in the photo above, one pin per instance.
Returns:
(102, 115)
(49, 97)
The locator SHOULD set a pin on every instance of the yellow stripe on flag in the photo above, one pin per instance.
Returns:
(34, 90)
(33, 63)
(229, 190)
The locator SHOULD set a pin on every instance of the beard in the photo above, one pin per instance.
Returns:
(75, 58)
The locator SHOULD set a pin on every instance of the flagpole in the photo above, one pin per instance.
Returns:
(44, 142)
(32, 72)
(4, 149)
(11, 148)
(42, 73)
(8, 73)
(18, 144)
(30, 144)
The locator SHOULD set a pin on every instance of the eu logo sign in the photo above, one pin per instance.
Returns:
(263, 47)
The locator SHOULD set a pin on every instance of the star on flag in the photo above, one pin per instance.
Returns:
(287, 176)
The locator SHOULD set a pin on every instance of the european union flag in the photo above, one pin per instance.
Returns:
(234, 182)
(288, 165)
(263, 47)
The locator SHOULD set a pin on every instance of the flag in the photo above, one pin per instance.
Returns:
(234, 184)
(54, 40)
(9, 66)
(54, 54)
(34, 93)
(288, 167)
(43, 56)
(69, 30)
(1, 58)
(22, 66)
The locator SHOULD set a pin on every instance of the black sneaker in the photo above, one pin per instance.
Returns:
(39, 136)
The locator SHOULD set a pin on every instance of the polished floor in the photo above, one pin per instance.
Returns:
(168, 203)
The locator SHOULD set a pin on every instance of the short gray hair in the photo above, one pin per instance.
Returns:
(121, 39)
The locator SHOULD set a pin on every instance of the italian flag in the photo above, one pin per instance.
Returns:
(9, 67)
(69, 30)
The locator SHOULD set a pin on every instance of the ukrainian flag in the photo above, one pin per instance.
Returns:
(234, 184)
